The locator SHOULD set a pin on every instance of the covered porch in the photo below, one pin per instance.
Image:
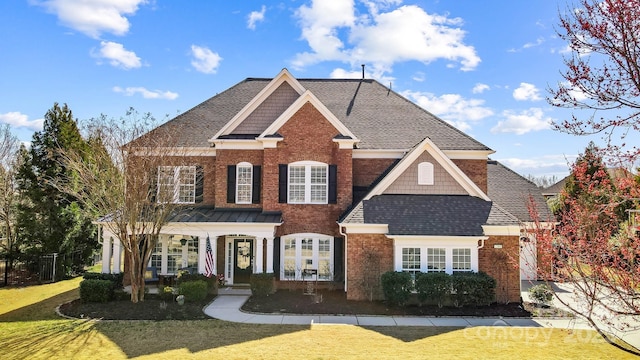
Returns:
(237, 243)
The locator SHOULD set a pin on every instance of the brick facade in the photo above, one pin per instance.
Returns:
(368, 257)
(476, 170)
(502, 263)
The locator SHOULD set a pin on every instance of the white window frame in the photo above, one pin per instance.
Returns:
(459, 260)
(427, 242)
(175, 189)
(188, 255)
(308, 184)
(304, 261)
(244, 166)
(425, 173)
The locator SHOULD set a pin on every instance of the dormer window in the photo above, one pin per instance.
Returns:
(425, 173)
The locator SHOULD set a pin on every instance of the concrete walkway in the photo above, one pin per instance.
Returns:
(228, 303)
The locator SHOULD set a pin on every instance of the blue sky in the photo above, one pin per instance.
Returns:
(483, 66)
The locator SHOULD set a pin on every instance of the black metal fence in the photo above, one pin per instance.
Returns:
(43, 269)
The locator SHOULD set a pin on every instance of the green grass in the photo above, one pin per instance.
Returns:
(30, 329)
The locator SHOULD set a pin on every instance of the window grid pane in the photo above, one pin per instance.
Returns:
(436, 259)
(290, 258)
(296, 184)
(174, 257)
(313, 253)
(462, 259)
(156, 256)
(244, 184)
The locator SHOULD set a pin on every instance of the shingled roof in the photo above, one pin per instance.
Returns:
(444, 215)
(512, 192)
(379, 117)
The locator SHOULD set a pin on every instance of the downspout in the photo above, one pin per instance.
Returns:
(345, 255)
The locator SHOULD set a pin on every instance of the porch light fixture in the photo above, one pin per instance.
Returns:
(183, 241)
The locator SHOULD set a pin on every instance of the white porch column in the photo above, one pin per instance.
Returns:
(269, 255)
(117, 255)
(259, 268)
(202, 249)
(106, 253)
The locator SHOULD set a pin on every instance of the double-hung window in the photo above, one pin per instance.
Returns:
(244, 183)
(411, 261)
(177, 184)
(436, 259)
(461, 260)
(308, 183)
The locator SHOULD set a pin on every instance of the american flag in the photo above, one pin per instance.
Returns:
(208, 260)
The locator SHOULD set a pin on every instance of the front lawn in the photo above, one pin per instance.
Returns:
(29, 328)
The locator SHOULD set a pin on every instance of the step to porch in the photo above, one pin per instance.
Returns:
(235, 290)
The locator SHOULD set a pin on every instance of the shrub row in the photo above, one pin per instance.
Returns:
(193, 291)
(460, 289)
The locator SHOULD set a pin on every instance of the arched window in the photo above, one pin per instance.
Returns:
(425, 173)
(244, 183)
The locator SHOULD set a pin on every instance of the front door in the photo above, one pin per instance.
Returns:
(243, 256)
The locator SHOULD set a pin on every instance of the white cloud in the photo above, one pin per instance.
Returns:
(546, 165)
(538, 42)
(453, 108)
(527, 91)
(117, 55)
(19, 120)
(205, 60)
(147, 94)
(256, 16)
(479, 88)
(93, 17)
(407, 33)
(523, 122)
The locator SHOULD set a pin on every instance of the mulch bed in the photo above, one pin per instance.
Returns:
(291, 302)
(335, 302)
(152, 308)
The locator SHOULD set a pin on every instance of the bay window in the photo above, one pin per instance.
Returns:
(306, 252)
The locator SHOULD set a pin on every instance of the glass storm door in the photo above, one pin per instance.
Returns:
(243, 256)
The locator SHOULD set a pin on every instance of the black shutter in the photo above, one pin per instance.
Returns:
(276, 257)
(333, 184)
(338, 259)
(257, 181)
(231, 184)
(153, 186)
(282, 183)
(199, 183)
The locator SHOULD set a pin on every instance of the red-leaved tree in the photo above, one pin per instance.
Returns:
(593, 252)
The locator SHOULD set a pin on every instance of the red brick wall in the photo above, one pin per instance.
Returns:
(227, 157)
(368, 257)
(308, 136)
(366, 171)
(503, 265)
(476, 170)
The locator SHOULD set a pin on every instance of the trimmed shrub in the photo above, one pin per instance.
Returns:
(433, 286)
(262, 284)
(212, 281)
(541, 294)
(472, 289)
(396, 287)
(193, 291)
(96, 290)
(115, 278)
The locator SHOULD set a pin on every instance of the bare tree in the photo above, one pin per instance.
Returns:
(8, 156)
(603, 72)
(118, 181)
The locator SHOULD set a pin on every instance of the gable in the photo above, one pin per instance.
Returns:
(403, 178)
(267, 111)
(443, 182)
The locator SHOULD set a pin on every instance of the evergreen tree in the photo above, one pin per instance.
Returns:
(49, 220)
